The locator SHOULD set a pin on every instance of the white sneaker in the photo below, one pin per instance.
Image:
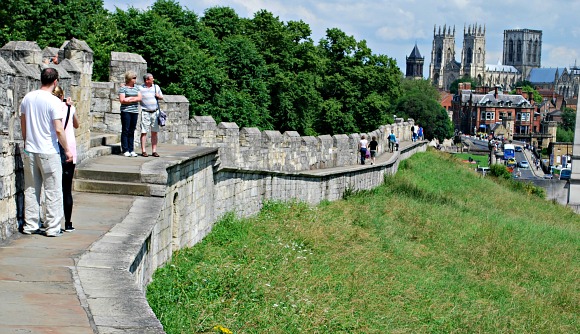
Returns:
(133, 154)
(127, 154)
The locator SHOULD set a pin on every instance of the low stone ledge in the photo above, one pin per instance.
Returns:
(116, 304)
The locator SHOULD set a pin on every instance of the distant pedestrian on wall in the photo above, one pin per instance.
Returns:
(129, 96)
(363, 146)
(392, 141)
(420, 132)
(374, 147)
(151, 94)
(42, 130)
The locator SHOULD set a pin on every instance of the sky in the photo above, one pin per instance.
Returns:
(393, 27)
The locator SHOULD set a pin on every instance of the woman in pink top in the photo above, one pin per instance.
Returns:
(68, 168)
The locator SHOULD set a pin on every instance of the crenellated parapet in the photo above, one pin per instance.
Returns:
(20, 65)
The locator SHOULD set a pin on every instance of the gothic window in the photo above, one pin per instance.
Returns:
(511, 51)
(529, 51)
(439, 55)
(469, 56)
(519, 50)
(448, 56)
(535, 52)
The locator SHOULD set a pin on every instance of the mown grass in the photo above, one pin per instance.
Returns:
(436, 249)
(482, 160)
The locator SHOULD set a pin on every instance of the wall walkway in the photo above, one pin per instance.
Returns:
(93, 280)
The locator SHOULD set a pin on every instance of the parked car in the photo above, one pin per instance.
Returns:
(524, 164)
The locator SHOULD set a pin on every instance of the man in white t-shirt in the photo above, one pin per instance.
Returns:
(42, 130)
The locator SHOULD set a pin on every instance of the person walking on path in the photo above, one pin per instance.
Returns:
(42, 130)
(362, 146)
(392, 141)
(374, 147)
(150, 95)
(420, 133)
(129, 96)
(68, 168)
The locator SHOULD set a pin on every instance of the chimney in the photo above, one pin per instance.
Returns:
(519, 90)
(495, 92)
(530, 96)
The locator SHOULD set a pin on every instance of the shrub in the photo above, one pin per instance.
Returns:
(500, 171)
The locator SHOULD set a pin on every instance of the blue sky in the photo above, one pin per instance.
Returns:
(393, 27)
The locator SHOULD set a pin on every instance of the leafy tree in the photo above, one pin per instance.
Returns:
(453, 88)
(428, 113)
(223, 21)
(568, 119)
(529, 89)
(421, 86)
(564, 135)
(565, 131)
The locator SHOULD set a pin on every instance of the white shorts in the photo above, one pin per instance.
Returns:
(149, 121)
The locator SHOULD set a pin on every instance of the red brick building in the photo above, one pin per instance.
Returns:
(481, 110)
(486, 108)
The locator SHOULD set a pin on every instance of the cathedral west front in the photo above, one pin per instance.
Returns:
(522, 51)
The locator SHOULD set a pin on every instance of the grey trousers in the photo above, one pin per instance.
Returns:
(42, 172)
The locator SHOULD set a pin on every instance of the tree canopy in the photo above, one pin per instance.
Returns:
(258, 72)
(454, 87)
(420, 101)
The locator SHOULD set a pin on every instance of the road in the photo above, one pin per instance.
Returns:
(556, 190)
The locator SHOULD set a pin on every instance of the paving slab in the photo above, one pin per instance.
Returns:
(38, 287)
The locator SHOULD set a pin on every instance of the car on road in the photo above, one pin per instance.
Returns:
(548, 176)
(518, 149)
(524, 164)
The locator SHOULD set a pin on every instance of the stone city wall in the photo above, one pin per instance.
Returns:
(98, 105)
(196, 197)
(20, 66)
(247, 148)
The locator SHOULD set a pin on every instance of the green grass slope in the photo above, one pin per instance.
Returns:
(436, 249)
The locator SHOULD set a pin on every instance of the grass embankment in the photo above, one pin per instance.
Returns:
(437, 249)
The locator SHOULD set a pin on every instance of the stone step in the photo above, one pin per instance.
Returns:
(119, 188)
(107, 175)
(104, 139)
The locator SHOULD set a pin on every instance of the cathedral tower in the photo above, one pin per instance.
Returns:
(473, 53)
(442, 53)
(415, 64)
(522, 48)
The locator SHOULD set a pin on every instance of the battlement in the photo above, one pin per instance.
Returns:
(97, 105)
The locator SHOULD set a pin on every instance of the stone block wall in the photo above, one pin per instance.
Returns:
(20, 65)
(196, 197)
(247, 148)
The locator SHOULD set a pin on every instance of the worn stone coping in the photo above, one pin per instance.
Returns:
(382, 161)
